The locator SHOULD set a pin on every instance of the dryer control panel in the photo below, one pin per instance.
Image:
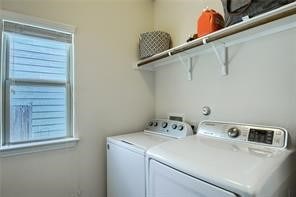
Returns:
(169, 128)
(263, 135)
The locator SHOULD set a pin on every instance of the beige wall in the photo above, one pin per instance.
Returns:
(111, 97)
(260, 87)
(179, 17)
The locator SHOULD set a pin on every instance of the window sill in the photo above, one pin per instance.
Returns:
(14, 150)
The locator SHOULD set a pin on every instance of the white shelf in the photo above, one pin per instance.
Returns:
(278, 20)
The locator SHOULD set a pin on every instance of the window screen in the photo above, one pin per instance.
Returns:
(37, 66)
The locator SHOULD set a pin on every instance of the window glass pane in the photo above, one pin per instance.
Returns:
(37, 59)
(37, 113)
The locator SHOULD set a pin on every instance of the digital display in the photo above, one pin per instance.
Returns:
(261, 136)
(176, 118)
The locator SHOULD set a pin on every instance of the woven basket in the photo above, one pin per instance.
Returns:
(151, 43)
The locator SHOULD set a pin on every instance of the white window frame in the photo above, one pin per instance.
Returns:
(72, 140)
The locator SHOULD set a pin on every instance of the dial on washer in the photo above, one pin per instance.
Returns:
(164, 124)
(233, 132)
(180, 127)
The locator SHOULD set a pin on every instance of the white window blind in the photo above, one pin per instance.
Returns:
(37, 89)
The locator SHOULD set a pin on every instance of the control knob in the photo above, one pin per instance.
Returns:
(180, 127)
(174, 126)
(150, 124)
(164, 124)
(155, 124)
(233, 132)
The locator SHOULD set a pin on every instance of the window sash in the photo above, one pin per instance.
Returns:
(6, 84)
(68, 112)
(6, 57)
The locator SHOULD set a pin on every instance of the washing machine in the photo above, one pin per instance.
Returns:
(126, 154)
(224, 160)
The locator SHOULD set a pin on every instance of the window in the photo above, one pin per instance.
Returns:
(36, 84)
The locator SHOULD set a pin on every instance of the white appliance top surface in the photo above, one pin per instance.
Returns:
(231, 165)
(156, 131)
(142, 140)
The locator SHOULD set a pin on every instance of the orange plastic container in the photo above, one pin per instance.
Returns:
(209, 21)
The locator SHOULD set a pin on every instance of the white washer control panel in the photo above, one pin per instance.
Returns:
(169, 128)
(263, 135)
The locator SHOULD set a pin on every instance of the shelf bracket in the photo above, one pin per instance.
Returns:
(188, 65)
(221, 53)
